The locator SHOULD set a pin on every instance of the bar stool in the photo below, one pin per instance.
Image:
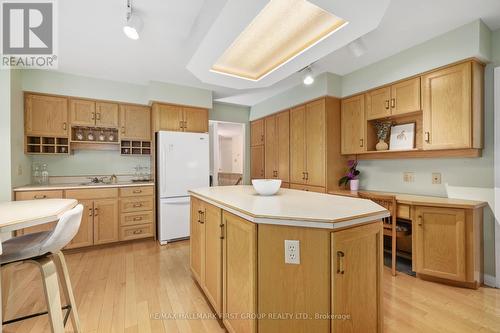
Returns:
(44, 250)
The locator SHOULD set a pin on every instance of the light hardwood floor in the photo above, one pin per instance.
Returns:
(118, 288)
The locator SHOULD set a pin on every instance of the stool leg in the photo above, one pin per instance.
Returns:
(67, 289)
(51, 289)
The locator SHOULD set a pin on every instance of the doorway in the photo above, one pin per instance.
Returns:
(227, 153)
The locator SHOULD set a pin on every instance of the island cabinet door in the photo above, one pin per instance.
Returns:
(439, 238)
(213, 256)
(197, 240)
(357, 263)
(239, 274)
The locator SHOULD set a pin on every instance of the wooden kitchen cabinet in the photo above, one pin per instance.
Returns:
(85, 235)
(257, 132)
(46, 115)
(378, 103)
(195, 120)
(105, 221)
(297, 144)
(82, 112)
(107, 115)
(38, 195)
(357, 256)
(169, 117)
(353, 133)
(257, 162)
(439, 238)
(277, 146)
(135, 122)
(197, 240)
(212, 279)
(451, 117)
(239, 270)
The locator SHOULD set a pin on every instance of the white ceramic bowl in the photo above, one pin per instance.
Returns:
(266, 186)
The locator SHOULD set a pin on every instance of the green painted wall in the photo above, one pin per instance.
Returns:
(235, 114)
(495, 48)
(5, 148)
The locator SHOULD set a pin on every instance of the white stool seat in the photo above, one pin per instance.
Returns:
(24, 247)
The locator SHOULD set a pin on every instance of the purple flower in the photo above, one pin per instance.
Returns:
(351, 163)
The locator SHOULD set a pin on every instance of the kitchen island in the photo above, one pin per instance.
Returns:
(294, 262)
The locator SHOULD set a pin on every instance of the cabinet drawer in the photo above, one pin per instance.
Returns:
(136, 204)
(308, 188)
(98, 193)
(136, 232)
(136, 191)
(136, 218)
(34, 195)
(403, 211)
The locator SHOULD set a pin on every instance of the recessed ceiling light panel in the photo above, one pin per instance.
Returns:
(280, 32)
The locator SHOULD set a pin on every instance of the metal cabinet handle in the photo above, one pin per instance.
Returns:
(393, 103)
(420, 221)
(262, 138)
(98, 117)
(340, 262)
(221, 230)
(200, 214)
(361, 142)
(427, 137)
(138, 218)
(137, 191)
(96, 211)
(180, 124)
(91, 212)
(65, 126)
(123, 130)
(303, 176)
(38, 196)
(387, 104)
(137, 232)
(137, 204)
(93, 116)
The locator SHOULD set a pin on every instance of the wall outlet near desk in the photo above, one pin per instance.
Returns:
(409, 177)
(436, 178)
(292, 252)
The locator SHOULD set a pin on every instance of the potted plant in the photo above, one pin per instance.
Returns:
(351, 177)
(382, 128)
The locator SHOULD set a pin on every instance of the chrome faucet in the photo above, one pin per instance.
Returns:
(96, 180)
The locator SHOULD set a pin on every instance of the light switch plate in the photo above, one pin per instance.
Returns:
(436, 178)
(292, 252)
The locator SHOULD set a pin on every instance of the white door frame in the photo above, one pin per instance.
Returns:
(496, 94)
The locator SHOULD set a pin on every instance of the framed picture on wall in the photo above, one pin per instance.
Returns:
(402, 137)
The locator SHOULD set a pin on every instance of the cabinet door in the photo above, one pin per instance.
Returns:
(195, 120)
(283, 145)
(135, 122)
(257, 132)
(239, 273)
(168, 117)
(447, 115)
(107, 114)
(82, 112)
(270, 169)
(257, 162)
(439, 238)
(357, 272)
(46, 115)
(197, 240)
(405, 96)
(353, 125)
(378, 103)
(85, 235)
(105, 221)
(298, 145)
(38, 195)
(213, 256)
(316, 143)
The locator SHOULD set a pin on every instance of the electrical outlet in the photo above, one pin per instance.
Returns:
(292, 252)
(408, 177)
(436, 178)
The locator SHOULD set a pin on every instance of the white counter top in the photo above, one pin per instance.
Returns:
(73, 186)
(292, 207)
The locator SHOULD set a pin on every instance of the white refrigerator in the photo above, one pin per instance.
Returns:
(182, 163)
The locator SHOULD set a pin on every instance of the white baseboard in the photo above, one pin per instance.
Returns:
(490, 281)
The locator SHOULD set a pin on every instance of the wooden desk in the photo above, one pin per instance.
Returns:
(15, 215)
(446, 239)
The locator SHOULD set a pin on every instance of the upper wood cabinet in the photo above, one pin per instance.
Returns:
(452, 107)
(257, 162)
(257, 132)
(277, 145)
(378, 103)
(135, 122)
(167, 117)
(353, 125)
(46, 115)
(85, 112)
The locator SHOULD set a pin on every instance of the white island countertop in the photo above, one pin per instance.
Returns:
(292, 207)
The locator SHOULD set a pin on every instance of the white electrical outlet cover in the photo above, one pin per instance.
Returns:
(292, 252)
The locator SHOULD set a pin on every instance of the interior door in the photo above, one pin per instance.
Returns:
(135, 122)
(283, 145)
(85, 235)
(195, 120)
(46, 115)
(439, 238)
(357, 256)
(197, 240)
(213, 256)
(378, 103)
(405, 96)
(174, 218)
(257, 162)
(107, 114)
(316, 143)
(447, 115)
(298, 145)
(82, 112)
(105, 221)
(270, 152)
(170, 117)
(353, 125)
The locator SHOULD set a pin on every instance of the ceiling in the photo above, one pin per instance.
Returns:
(179, 36)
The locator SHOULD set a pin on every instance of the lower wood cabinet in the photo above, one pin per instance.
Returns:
(105, 221)
(308, 188)
(37, 195)
(85, 235)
